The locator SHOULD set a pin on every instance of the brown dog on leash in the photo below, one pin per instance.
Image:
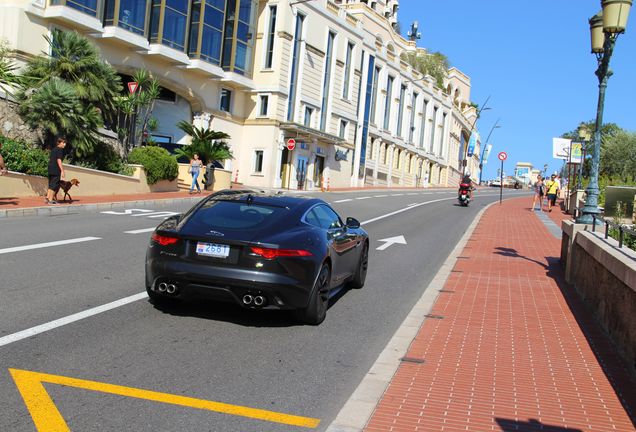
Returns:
(65, 186)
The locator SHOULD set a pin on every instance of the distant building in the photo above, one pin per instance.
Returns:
(523, 172)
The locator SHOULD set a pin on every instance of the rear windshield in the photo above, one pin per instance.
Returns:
(234, 215)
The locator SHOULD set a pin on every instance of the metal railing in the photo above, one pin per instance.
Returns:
(622, 229)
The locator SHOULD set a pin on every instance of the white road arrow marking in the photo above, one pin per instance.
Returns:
(391, 241)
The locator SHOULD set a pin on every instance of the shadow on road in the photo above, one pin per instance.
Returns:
(231, 313)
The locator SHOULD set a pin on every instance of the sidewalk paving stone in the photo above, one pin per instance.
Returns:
(512, 347)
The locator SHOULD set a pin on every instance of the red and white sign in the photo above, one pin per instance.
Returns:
(133, 86)
(291, 144)
(502, 156)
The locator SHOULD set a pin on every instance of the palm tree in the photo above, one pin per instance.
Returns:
(56, 108)
(207, 143)
(69, 92)
(135, 110)
(76, 60)
(9, 79)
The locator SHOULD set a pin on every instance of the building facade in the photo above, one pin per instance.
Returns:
(328, 75)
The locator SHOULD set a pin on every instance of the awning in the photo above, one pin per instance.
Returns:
(303, 132)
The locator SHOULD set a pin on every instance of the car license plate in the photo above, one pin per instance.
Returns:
(213, 250)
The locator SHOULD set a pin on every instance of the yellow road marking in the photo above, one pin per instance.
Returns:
(47, 418)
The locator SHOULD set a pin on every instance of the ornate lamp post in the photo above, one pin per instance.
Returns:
(604, 28)
(483, 150)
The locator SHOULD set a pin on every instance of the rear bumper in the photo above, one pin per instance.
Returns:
(229, 284)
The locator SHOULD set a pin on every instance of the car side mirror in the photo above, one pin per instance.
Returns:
(352, 223)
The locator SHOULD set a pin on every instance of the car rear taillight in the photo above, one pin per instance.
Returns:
(163, 240)
(269, 253)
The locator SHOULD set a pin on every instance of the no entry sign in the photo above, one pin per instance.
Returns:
(502, 156)
(291, 144)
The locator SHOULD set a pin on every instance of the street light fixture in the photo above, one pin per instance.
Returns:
(472, 128)
(483, 150)
(604, 30)
(584, 137)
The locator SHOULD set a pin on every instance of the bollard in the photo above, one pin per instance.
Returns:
(236, 176)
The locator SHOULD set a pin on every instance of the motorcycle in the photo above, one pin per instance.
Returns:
(464, 197)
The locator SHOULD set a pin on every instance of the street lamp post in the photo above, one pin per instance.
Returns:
(472, 128)
(483, 150)
(604, 28)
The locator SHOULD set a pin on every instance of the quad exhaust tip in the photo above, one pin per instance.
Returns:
(258, 301)
(171, 289)
(163, 287)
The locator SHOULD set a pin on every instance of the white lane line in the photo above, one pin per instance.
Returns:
(363, 198)
(405, 209)
(397, 194)
(412, 193)
(6, 340)
(380, 196)
(139, 231)
(49, 244)
(343, 200)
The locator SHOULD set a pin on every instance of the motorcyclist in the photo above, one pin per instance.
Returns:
(466, 184)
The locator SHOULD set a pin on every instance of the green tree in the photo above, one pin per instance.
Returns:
(76, 60)
(69, 92)
(9, 79)
(434, 64)
(135, 110)
(56, 108)
(207, 143)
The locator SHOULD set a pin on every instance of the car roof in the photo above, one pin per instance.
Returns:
(291, 202)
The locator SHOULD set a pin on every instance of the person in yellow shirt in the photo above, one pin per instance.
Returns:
(552, 187)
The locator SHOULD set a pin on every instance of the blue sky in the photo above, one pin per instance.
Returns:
(533, 59)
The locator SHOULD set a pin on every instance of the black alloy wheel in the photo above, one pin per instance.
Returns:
(316, 310)
(361, 272)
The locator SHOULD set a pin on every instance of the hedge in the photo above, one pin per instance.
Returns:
(157, 162)
(21, 157)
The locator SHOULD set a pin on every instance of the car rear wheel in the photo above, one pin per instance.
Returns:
(361, 272)
(316, 311)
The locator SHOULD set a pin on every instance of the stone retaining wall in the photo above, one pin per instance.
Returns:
(605, 278)
(12, 126)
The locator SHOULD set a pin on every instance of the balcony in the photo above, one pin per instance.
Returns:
(83, 14)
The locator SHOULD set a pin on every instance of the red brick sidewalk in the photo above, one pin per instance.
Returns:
(515, 350)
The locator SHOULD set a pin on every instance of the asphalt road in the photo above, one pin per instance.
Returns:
(204, 351)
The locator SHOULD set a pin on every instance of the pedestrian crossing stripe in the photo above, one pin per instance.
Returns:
(47, 417)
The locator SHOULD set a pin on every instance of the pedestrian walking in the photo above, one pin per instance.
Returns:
(3, 167)
(56, 169)
(552, 188)
(539, 193)
(195, 169)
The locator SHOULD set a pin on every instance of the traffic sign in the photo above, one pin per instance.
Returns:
(502, 156)
(132, 86)
(291, 144)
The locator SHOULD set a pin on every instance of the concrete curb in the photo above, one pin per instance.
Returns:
(93, 207)
(357, 411)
